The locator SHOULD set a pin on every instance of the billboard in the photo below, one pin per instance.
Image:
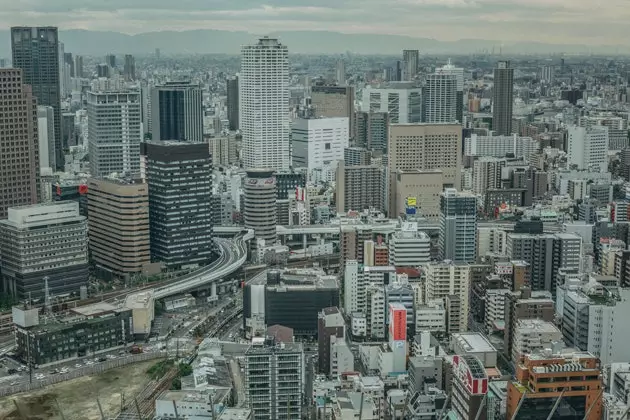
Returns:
(397, 322)
(411, 201)
(476, 383)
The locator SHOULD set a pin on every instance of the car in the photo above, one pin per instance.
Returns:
(78, 365)
(102, 359)
(89, 362)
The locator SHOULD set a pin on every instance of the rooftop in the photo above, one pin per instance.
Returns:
(472, 342)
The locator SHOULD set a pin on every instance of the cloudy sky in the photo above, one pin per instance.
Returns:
(591, 22)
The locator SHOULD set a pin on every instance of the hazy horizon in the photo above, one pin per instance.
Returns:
(508, 21)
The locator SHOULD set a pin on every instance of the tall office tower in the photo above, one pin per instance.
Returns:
(587, 148)
(44, 242)
(410, 64)
(179, 176)
(340, 72)
(62, 69)
(546, 254)
(114, 132)
(259, 213)
(424, 147)
(402, 101)
(502, 99)
(371, 130)
(356, 156)
(36, 52)
(69, 60)
(145, 96)
(448, 279)
(334, 101)
(264, 102)
(547, 74)
(46, 133)
(566, 381)
(318, 142)
(458, 226)
(19, 143)
(177, 112)
(78, 66)
(458, 72)
(232, 103)
(359, 187)
(130, 67)
(439, 96)
(274, 379)
(118, 221)
(103, 70)
(110, 60)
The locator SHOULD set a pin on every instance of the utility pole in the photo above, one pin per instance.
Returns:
(100, 409)
(135, 400)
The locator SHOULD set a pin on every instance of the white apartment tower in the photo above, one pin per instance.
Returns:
(264, 102)
(440, 99)
(114, 132)
(588, 148)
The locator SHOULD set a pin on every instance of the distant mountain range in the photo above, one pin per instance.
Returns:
(226, 42)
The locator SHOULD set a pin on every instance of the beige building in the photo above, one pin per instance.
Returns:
(118, 221)
(451, 283)
(420, 190)
(424, 147)
(359, 187)
(334, 101)
(223, 150)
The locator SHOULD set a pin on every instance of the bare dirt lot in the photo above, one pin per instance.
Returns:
(77, 398)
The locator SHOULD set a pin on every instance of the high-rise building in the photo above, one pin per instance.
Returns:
(330, 327)
(470, 385)
(410, 64)
(318, 142)
(110, 60)
(46, 133)
(78, 66)
(177, 112)
(547, 74)
(546, 254)
(417, 193)
(359, 187)
(274, 379)
(447, 280)
(129, 70)
(487, 174)
(334, 101)
(264, 104)
(233, 108)
(114, 132)
(458, 72)
(409, 247)
(340, 72)
(44, 243)
(179, 177)
(19, 142)
(440, 146)
(69, 60)
(587, 148)
(567, 382)
(118, 221)
(458, 226)
(439, 96)
(502, 99)
(371, 130)
(62, 69)
(36, 51)
(402, 101)
(259, 212)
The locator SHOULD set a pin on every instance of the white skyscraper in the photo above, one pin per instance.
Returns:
(440, 99)
(114, 132)
(318, 142)
(264, 102)
(588, 148)
(401, 100)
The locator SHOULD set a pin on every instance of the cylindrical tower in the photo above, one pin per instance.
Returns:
(259, 212)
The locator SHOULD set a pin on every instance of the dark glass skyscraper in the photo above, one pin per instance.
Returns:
(232, 102)
(503, 99)
(179, 176)
(177, 112)
(36, 51)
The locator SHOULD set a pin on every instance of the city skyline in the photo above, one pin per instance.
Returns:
(556, 21)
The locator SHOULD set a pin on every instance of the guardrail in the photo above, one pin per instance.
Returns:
(83, 371)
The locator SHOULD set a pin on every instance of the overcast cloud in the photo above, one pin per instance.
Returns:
(591, 22)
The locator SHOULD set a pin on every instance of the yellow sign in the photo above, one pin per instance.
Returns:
(411, 201)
